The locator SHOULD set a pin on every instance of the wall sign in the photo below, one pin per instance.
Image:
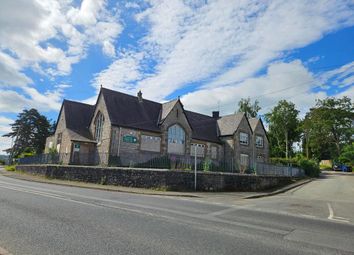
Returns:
(76, 147)
(130, 139)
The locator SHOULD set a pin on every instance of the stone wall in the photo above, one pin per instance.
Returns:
(168, 179)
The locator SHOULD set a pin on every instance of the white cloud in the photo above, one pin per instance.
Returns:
(5, 143)
(25, 32)
(14, 102)
(225, 42)
(290, 81)
(121, 74)
(5, 125)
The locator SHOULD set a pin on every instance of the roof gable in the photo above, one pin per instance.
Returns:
(166, 108)
(253, 123)
(78, 117)
(203, 127)
(229, 124)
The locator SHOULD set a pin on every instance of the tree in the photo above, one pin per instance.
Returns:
(283, 128)
(30, 131)
(347, 154)
(251, 110)
(328, 127)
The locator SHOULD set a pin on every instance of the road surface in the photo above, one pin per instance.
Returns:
(37, 218)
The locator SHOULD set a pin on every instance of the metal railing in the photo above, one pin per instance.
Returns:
(157, 161)
(278, 170)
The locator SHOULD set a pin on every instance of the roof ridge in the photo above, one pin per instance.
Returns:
(200, 114)
(76, 102)
(125, 94)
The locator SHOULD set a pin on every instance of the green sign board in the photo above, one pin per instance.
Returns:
(130, 139)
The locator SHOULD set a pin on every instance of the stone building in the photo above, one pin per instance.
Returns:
(133, 128)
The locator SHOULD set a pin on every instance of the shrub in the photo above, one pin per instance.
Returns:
(2, 162)
(310, 167)
(284, 161)
(10, 168)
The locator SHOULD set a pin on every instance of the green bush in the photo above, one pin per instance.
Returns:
(347, 155)
(284, 161)
(2, 162)
(10, 168)
(310, 167)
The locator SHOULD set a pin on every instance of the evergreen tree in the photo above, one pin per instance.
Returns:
(29, 132)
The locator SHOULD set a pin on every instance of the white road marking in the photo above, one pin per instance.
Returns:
(335, 218)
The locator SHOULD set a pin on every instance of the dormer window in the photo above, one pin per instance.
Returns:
(243, 138)
(99, 122)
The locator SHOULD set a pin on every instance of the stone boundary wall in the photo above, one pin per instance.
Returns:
(158, 178)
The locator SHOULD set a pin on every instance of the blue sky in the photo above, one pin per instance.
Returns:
(210, 53)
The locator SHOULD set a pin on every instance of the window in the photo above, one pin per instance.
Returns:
(259, 141)
(176, 139)
(244, 160)
(214, 152)
(260, 158)
(200, 149)
(59, 137)
(99, 122)
(243, 138)
(150, 143)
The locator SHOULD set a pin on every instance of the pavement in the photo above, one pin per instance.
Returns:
(205, 195)
(41, 218)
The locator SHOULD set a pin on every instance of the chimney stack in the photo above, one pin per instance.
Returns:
(215, 114)
(140, 96)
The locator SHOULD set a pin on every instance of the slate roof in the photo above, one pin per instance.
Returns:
(228, 124)
(203, 127)
(77, 119)
(126, 111)
(253, 123)
(166, 108)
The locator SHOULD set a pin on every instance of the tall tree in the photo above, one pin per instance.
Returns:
(283, 127)
(251, 110)
(328, 127)
(29, 132)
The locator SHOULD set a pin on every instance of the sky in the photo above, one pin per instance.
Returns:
(209, 53)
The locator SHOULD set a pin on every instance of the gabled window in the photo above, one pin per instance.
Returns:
(243, 138)
(259, 141)
(99, 122)
(59, 137)
(176, 140)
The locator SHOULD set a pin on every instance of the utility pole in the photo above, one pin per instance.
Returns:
(195, 167)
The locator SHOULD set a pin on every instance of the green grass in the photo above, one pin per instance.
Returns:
(325, 167)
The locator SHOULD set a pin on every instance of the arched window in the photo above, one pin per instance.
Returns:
(99, 122)
(176, 139)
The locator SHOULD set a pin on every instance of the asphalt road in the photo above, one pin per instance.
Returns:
(37, 218)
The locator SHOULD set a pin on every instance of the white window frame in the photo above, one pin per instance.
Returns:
(176, 139)
(259, 141)
(214, 154)
(144, 138)
(244, 138)
(244, 157)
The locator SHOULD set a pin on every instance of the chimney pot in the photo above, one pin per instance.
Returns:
(215, 114)
(140, 96)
